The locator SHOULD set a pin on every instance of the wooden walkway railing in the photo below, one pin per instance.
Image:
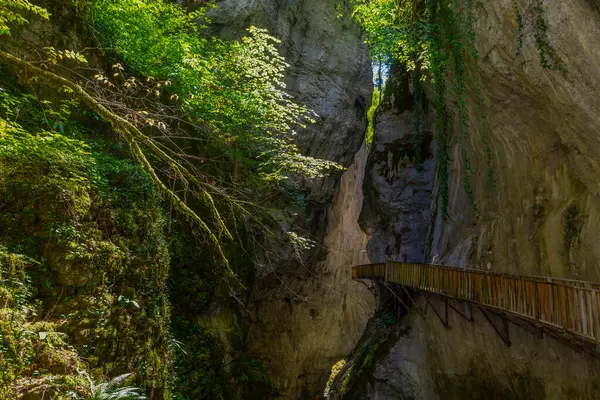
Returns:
(562, 304)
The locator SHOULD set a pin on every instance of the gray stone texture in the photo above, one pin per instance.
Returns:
(543, 217)
(398, 192)
(305, 316)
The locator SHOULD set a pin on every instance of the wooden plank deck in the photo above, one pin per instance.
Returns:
(561, 304)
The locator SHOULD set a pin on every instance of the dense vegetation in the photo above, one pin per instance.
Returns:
(90, 227)
(136, 181)
(371, 116)
(235, 90)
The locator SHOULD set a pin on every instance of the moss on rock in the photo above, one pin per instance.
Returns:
(95, 227)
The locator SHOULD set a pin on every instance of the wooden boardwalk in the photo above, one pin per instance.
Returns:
(559, 304)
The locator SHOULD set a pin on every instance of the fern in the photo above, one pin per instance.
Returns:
(113, 390)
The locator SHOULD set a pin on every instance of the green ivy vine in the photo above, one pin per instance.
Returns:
(519, 33)
(548, 56)
(436, 41)
(418, 138)
(534, 12)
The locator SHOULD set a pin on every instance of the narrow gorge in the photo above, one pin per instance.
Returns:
(185, 188)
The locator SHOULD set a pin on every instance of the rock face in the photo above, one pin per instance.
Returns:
(330, 72)
(542, 127)
(398, 192)
(542, 218)
(305, 316)
(301, 327)
(542, 215)
(419, 358)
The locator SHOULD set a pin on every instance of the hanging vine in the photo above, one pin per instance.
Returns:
(439, 62)
(435, 39)
(535, 15)
(548, 56)
(418, 138)
(456, 23)
(519, 33)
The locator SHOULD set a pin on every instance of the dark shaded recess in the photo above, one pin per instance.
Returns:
(571, 235)
(381, 334)
(199, 288)
(397, 95)
(479, 384)
(360, 106)
(594, 5)
(397, 99)
(404, 147)
(573, 224)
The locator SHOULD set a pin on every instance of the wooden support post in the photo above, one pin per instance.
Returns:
(468, 318)
(530, 327)
(395, 296)
(446, 309)
(501, 331)
(444, 321)
(565, 309)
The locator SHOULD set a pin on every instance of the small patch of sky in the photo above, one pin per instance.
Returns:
(381, 72)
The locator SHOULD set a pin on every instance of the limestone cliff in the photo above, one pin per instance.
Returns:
(300, 316)
(330, 72)
(306, 315)
(301, 327)
(541, 218)
(540, 215)
(397, 207)
(542, 126)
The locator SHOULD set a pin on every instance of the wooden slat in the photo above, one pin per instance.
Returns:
(567, 304)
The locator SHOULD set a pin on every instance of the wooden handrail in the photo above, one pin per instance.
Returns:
(561, 304)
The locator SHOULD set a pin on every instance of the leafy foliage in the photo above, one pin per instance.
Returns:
(251, 120)
(10, 13)
(73, 198)
(28, 345)
(15, 348)
(395, 30)
(435, 40)
(95, 223)
(114, 390)
(235, 90)
(371, 112)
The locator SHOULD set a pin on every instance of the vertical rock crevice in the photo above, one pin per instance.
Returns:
(307, 314)
(541, 219)
(396, 212)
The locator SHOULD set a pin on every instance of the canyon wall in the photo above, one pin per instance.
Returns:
(538, 216)
(300, 327)
(542, 125)
(307, 314)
